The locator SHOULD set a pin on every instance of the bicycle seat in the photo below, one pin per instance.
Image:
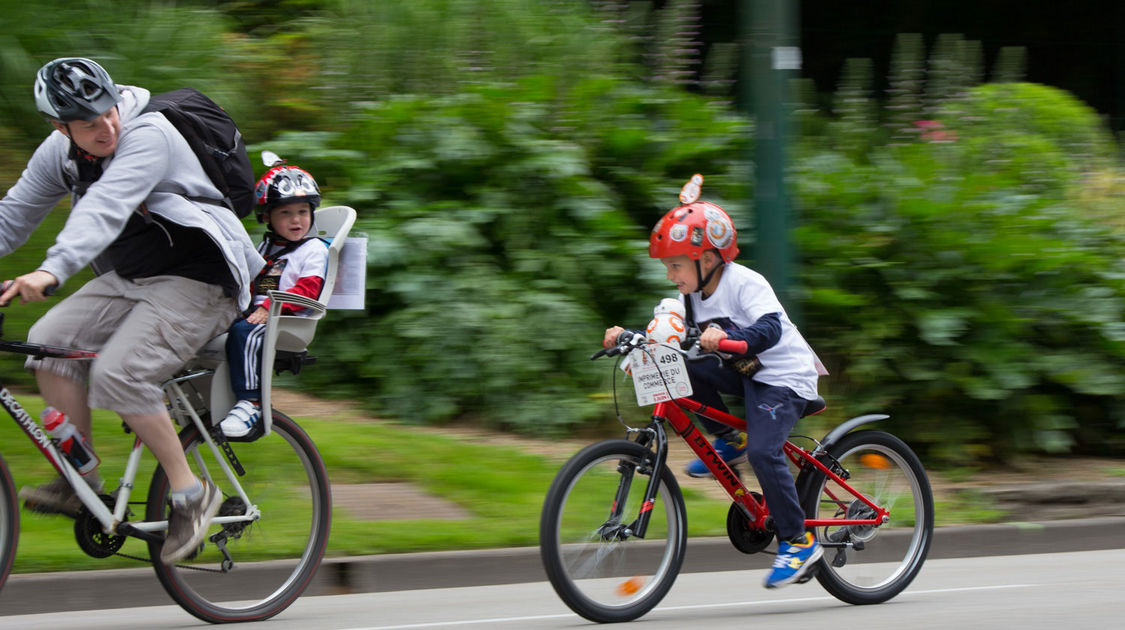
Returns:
(814, 407)
(211, 354)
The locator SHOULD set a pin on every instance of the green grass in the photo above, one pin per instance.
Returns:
(967, 506)
(502, 488)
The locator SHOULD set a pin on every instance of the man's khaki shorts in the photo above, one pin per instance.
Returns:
(144, 330)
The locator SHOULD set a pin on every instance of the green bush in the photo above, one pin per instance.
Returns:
(954, 284)
(504, 241)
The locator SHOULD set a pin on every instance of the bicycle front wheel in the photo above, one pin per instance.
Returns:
(267, 562)
(597, 564)
(873, 563)
(9, 522)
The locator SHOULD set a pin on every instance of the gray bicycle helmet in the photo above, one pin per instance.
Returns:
(74, 88)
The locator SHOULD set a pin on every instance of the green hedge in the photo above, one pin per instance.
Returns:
(956, 284)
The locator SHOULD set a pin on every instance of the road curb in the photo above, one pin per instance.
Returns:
(122, 588)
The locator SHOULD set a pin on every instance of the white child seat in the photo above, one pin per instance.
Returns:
(283, 332)
(293, 333)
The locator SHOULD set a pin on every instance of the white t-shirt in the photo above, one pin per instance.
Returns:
(743, 295)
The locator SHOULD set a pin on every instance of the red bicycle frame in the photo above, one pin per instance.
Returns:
(675, 413)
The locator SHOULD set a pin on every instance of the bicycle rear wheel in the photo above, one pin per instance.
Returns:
(9, 522)
(595, 563)
(271, 560)
(881, 560)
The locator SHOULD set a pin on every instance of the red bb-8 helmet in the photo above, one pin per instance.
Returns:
(693, 228)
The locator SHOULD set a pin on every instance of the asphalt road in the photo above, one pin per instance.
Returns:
(1030, 592)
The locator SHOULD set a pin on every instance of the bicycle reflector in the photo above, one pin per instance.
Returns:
(630, 586)
(874, 460)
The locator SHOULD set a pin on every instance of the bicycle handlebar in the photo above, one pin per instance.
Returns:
(50, 290)
(629, 340)
(733, 346)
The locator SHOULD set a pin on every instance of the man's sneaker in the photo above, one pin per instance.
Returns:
(55, 497)
(242, 419)
(731, 453)
(794, 558)
(187, 524)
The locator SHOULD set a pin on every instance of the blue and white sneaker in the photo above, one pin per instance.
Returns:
(730, 452)
(793, 559)
(243, 418)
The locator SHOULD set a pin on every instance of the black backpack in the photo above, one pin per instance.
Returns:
(214, 138)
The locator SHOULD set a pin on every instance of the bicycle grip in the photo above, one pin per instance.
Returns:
(733, 346)
(50, 290)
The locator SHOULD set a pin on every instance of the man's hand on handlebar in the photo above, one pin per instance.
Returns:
(30, 287)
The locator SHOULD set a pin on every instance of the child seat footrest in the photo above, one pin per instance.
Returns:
(288, 361)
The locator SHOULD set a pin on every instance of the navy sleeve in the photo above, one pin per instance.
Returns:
(761, 335)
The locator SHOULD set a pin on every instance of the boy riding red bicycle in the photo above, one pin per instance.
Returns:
(776, 377)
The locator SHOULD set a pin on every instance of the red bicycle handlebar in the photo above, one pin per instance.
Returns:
(733, 346)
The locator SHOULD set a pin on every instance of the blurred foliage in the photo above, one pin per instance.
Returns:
(961, 241)
(509, 229)
(959, 282)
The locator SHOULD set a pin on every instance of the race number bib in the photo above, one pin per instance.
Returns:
(659, 375)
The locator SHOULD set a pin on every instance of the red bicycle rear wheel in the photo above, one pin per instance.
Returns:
(870, 564)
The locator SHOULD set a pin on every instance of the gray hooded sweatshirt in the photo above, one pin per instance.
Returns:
(151, 156)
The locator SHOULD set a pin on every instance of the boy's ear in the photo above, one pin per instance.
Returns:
(711, 258)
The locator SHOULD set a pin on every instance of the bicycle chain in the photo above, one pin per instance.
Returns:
(178, 566)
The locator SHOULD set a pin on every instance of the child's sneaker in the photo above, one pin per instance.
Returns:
(731, 453)
(793, 559)
(242, 419)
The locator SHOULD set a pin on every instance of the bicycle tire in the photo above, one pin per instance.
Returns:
(611, 580)
(9, 522)
(887, 471)
(275, 557)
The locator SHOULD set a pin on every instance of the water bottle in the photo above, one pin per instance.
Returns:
(72, 443)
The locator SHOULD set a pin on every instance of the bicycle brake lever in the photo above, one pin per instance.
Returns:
(696, 353)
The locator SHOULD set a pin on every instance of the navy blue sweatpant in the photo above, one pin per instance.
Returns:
(244, 355)
(771, 413)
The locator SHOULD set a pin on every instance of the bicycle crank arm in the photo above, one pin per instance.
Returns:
(126, 529)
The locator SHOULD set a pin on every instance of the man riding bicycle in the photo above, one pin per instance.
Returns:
(173, 271)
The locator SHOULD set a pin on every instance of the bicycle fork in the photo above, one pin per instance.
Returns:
(649, 437)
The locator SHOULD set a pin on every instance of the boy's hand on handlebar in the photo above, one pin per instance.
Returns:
(30, 287)
(611, 335)
(709, 339)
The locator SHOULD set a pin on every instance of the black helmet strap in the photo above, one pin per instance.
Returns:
(703, 280)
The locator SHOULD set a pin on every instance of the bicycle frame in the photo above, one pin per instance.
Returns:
(675, 413)
(113, 522)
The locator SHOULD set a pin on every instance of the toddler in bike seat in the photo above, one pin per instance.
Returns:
(296, 262)
(697, 243)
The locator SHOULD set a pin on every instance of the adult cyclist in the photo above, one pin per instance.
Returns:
(173, 271)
